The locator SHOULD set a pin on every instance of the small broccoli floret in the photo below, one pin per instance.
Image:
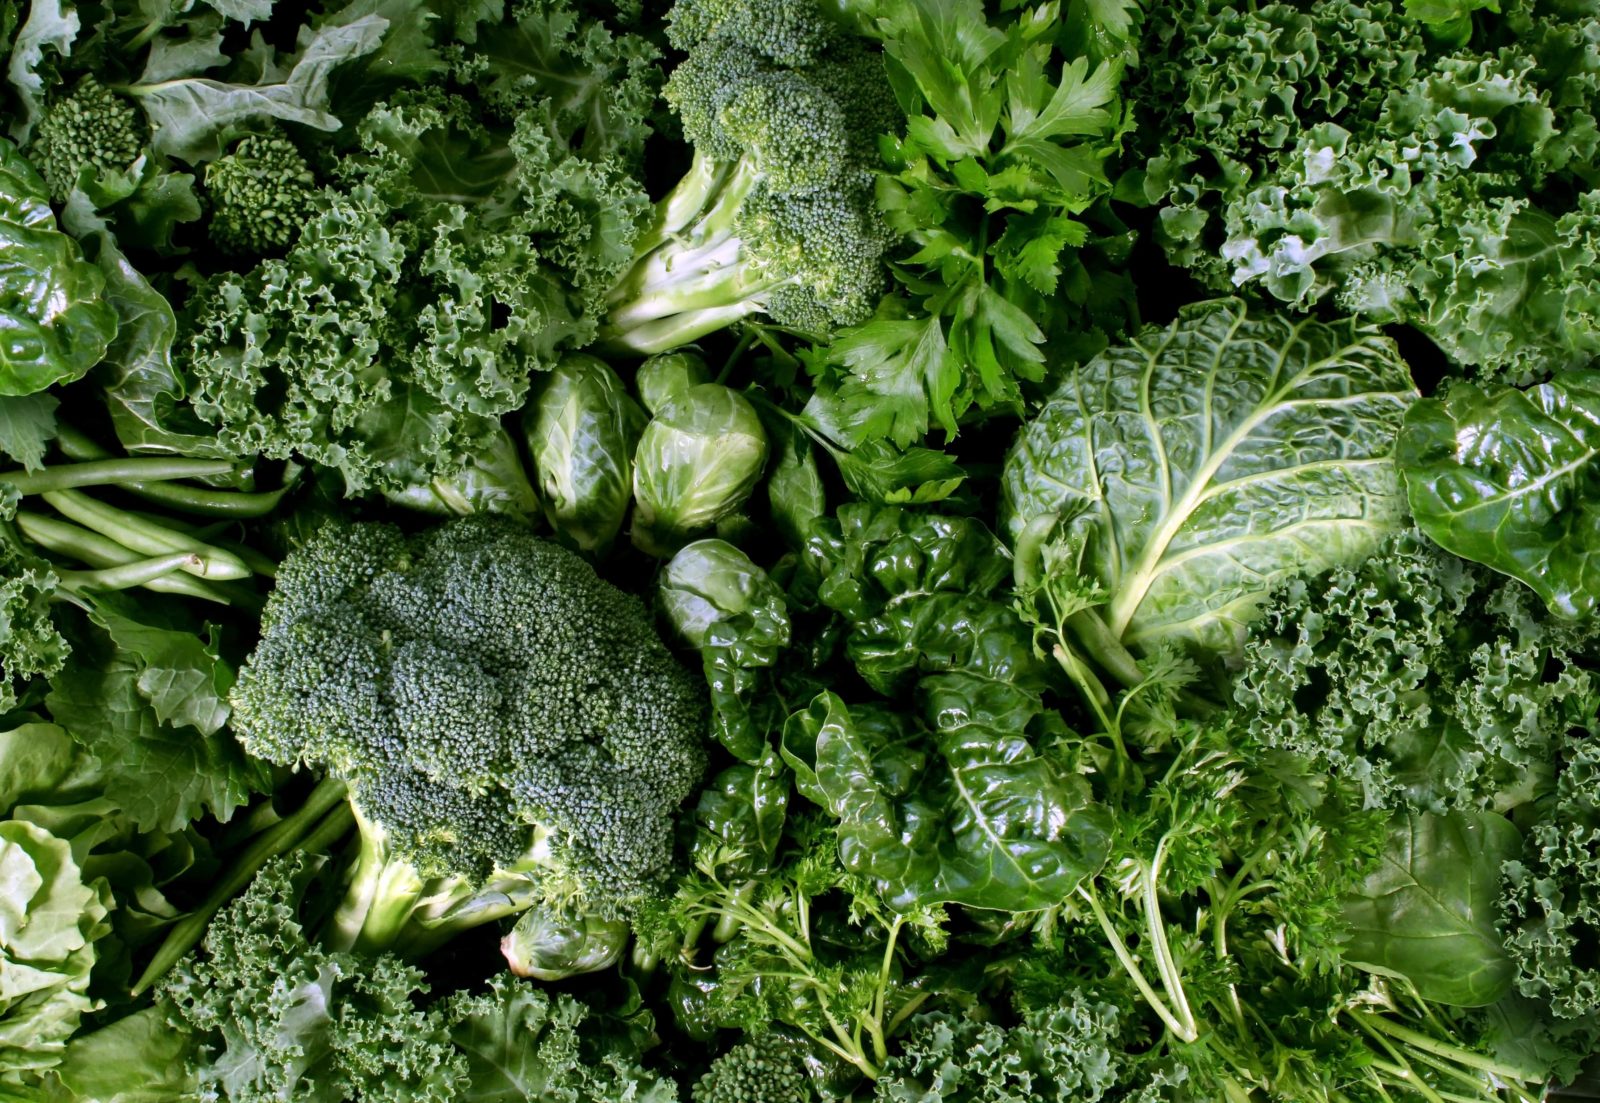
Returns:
(91, 128)
(776, 215)
(488, 698)
(260, 194)
(767, 1068)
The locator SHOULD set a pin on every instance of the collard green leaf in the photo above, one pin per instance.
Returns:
(137, 1059)
(54, 317)
(1201, 464)
(51, 25)
(33, 759)
(27, 425)
(1428, 912)
(181, 675)
(188, 114)
(1511, 479)
(983, 821)
(161, 774)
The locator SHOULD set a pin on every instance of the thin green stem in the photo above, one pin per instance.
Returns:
(141, 572)
(1449, 1052)
(1182, 1030)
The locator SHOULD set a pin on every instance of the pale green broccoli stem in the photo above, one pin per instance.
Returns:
(692, 276)
(321, 821)
(378, 901)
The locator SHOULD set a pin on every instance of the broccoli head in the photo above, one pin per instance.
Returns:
(261, 193)
(776, 214)
(767, 1068)
(92, 127)
(485, 694)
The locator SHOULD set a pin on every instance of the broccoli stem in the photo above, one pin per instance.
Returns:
(117, 472)
(379, 899)
(323, 818)
(691, 275)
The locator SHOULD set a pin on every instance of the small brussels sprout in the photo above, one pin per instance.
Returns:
(549, 944)
(697, 462)
(668, 375)
(581, 429)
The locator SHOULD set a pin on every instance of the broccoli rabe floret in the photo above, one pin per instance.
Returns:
(486, 696)
(93, 127)
(767, 1068)
(261, 194)
(776, 214)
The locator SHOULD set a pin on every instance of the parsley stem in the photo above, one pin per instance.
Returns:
(1185, 1033)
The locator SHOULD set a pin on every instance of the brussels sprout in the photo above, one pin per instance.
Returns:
(698, 460)
(549, 944)
(492, 481)
(581, 429)
(668, 375)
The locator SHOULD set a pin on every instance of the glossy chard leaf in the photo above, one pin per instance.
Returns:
(1511, 479)
(1202, 464)
(54, 319)
(1428, 911)
(982, 820)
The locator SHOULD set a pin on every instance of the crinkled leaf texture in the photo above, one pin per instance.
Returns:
(1428, 911)
(1204, 463)
(54, 320)
(49, 920)
(958, 805)
(1511, 479)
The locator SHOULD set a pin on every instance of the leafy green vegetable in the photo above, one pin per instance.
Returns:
(49, 921)
(1428, 912)
(698, 459)
(53, 311)
(1203, 463)
(726, 607)
(1336, 149)
(1510, 479)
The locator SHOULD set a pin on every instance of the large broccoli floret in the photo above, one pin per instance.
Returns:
(776, 214)
(486, 696)
(261, 194)
(93, 127)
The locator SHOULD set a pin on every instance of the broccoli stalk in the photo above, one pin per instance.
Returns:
(776, 213)
(388, 904)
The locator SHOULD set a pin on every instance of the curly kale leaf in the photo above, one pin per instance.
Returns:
(1336, 149)
(1432, 682)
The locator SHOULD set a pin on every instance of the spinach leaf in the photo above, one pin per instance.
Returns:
(53, 313)
(1510, 479)
(1428, 912)
(1201, 465)
(983, 820)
